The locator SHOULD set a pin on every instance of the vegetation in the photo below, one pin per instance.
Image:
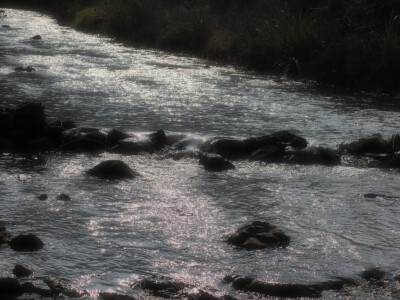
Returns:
(345, 43)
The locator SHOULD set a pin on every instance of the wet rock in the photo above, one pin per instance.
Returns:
(393, 143)
(10, 287)
(371, 144)
(21, 270)
(5, 235)
(34, 146)
(268, 154)
(96, 136)
(83, 144)
(258, 235)
(373, 274)
(43, 197)
(36, 37)
(30, 115)
(114, 136)
(202, 295)
(215, 163)
(132, 148)
(28, 69)
(6, 26)
(272, 289)
(113, 169)
(64, 197)
(29, 242)
(161, 288)
(314, 156)
(68, 124)
(90, 129)
(158, 139)
(29, 288)
(373, 196)
(57, 287)
(114, 296)
(226, 147)
(397, 277)
(6, 145)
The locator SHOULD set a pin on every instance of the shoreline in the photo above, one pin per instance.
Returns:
(312, 46)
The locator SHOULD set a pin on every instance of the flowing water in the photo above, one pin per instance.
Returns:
(172, 221)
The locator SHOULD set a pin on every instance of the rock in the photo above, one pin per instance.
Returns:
(202, 295)
(113, 169)
(286, 290)
(95, 136)
(114, 136)
(68, 124)
(5, 235)
(314, 155)
(10, 287)
(64, 197)
(268, 154)
(373, 274)
(215, 163)
(226, 147)
(162, 288)
(393, 144)
(371, 144)
(82, 144)
(43, 197)
(30, 116)
(6, 145)
(272, 289)
(28, 69)
(29, 242)
(397, 277)
(158, 139)
(258, 235)
(36, 37)
(89, 129)
(114, 296)
(21, 270)
(6, 26)
(372, 195)
(132, 148)
(29, 288)
(57, 287)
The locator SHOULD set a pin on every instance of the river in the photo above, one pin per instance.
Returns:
(172, 220)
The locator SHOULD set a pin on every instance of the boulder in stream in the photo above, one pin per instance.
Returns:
(10, 287)
(21, 270)
(114, 136)
(258, 235)
(113, 169)
(29, 242)
(161, 288)
(215, 163)
(57, 288)
(115, 296)
(36, 37)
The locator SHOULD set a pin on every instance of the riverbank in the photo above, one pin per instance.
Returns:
(345, 44)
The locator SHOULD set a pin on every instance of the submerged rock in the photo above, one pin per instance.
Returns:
(57, 287)
(36, 37)
(258, 235)
(202, 295)
(371, 144)
(29, 288)
(158, 139)
(21, 270)
(114, 136)
(113, 169)
(64, 197)
(314, 155)
(114, 296)
(28, 69)
(215, 163)
(373, 274)
(43, 197)
(287, 290)
(29, 242)
(163, 288)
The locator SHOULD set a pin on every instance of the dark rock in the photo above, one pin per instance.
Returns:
(215, 163)
(89, 129)
(36, 37)
(5, 235)
(6, 145)
(95, 136)
(112, 169)
(57, 287)
(158, 139)
(397, 277)
(132, 148)
(268, 154)
(70, 135)
(64, 197)
(83, 144)
(226, 147)
(54, 130)
(28, 69)
(6, 26)
(114, 136)
(258, 235)
(373, 274)
(10, 287)
(273, 289)
(30, 116)
(7, 121)
(43, 197)
(393, 144)
(29, 288)
(162, 288)
(314, 155)
(202, 295)
(114, 296)
(34, 146)
(372, 144)
(29, 242)
(68, 124)
(21, 270)
(372, 195)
